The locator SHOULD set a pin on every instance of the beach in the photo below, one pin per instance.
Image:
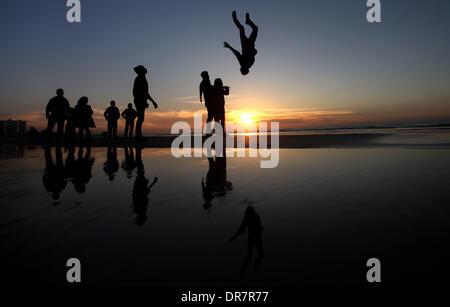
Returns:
(340, 207)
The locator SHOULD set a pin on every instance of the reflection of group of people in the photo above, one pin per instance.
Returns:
(60, 113)
(58, 173)
(79, 171)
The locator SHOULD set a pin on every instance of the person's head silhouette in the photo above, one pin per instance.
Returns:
(140, 70)
(113, 103)
(218, 82)
(244, 71)
(205, 75)
(60, 92)
(83, 101)
(130, 106)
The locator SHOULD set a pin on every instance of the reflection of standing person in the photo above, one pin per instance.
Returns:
(82, 169)
(112, 114)
(56, 113)
(252, 222)
(130, 115)
(84, 120)
(129, 164)
(141, 189)
(219, 91)
(111, 165)
(247, 57)
(216, 184)
(54, 177)
(141, 95)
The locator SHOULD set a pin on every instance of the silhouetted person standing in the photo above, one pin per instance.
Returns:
(141, 189)
(129, 115)
(70, 126)
(84, 120)
(56, 113)
(112, 115)
(206, 90)
(219, 92)
(247, 57)
(141, 95)
(252, 222)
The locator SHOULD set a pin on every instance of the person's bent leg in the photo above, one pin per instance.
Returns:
(254, 34)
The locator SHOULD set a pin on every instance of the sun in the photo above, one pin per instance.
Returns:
(247, 119)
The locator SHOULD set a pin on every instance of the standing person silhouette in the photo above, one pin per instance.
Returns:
(219, 101)
(112, 114)
(141, 94)
(83, 118)
(130, 115)
(206, 90)
(56, 113)
(247, 57)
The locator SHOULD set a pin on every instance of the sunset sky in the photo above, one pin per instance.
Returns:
(319, 63)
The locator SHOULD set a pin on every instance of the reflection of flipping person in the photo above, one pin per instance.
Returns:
(141, 189)
(251, 221)
(141, 95)
(247, 57)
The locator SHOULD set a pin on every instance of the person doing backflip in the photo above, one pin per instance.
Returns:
(246, 58)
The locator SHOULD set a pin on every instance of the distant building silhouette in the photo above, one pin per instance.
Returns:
(13, 127)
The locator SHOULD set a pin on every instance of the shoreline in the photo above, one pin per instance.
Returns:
(285, 141)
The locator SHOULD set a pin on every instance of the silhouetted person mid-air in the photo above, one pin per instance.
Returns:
(130, 115)
(112, 114)
(252, 222)
(141, 95)
(56, 113)
(247, 57)
(83, 118)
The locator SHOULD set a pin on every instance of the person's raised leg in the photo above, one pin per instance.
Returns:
(254, 27)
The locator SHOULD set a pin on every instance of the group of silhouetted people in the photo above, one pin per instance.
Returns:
(60, 113)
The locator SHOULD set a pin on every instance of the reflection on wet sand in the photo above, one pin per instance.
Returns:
(251, 223)
(216, 184)
(141, 189)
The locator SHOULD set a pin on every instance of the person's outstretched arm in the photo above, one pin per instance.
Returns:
(201, 92)
(235, 52)
(240, 230)
(153, 183)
